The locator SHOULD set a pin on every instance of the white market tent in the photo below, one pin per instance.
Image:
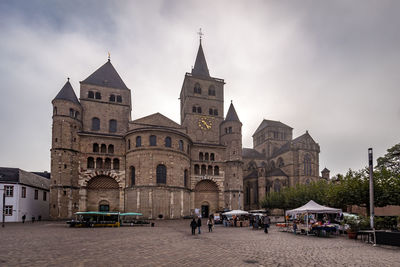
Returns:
(235, 212)
(312, 207)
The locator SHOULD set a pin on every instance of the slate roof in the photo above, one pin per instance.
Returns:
(232, 115)
(325, 170)
(200, 66)
(157, 119)
(15, 175)
(281, 150)
(106, 76)
(276, 172)
(43, 174)
(67, 93)
(302, 137)
(270, 123)
(251, 153)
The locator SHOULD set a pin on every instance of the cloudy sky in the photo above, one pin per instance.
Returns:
(329, 67)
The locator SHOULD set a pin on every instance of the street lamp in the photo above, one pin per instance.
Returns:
(4, 206)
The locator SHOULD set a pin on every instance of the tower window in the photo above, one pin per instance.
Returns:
(180, 145)
(203, 169)
(216, 112)
(110, 149)
(138, 141)
(98, 95)
(211, 90)
(210, 111)
(103, 148)
(90, 94)
(194, 109)
(119, 98)
(161, 174)
(116, 164)
(210, 170)
(185, 178)
(55, 111)
(212, 157)
(129, 143)
(153, 140)
(199, 110)
(90, 163)
(76, 115)
(107, 164)
(99, 163)
(307, 165)
(113, 126)
(95, 147)
(133, 174)
(197, 88)
(196, 169)
(71, 113)
(95, 124)
(201, 156)
(112, 98)
(167, 141)
(216, 170)
(206, 156)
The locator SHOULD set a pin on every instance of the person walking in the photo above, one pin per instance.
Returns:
(193, 225)
(295, 227)
(267, 221)
(210, 224)
(23, 218)
(199, 224)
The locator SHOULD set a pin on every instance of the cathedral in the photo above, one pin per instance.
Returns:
(101, 160)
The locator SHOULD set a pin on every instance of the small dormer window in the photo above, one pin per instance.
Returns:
(119, 99)
(98, 95)
(112, 98)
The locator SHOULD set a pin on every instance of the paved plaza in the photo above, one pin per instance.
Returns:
(170, 243)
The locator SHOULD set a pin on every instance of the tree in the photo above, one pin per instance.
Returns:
(391, 160)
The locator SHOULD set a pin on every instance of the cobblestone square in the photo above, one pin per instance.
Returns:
(170, 243)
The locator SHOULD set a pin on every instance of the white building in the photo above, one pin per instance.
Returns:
(26, 194)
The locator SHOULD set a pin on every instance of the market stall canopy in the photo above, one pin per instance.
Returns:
(235, 212)
(313, 207)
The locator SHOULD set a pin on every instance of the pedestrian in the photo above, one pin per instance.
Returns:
(235, 220)
(199, 224)
(294, 227)
(210, 224)
(23, 218)
(267, 221)
(251, 221)
(193, 224)
(33, 219)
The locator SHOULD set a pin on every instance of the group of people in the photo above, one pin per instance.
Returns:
(197, 224)
(257, 222)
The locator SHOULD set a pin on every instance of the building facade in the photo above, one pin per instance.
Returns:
(26, 194)
(102, 160)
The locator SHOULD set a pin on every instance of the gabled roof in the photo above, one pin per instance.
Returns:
(302, 138)
(106, 76)
(200, 66)
(67, 93)
(232, 115)
(276, 172)
(9, 174)
(251, 153)
(158, 120)
(325, 170)
(15, 175)
(270, 123)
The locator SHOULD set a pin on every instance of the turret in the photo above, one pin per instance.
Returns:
(67, 122)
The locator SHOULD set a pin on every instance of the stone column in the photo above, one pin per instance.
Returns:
(82, 199)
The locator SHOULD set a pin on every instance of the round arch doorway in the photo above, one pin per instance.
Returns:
(102, 194)
(206, 197)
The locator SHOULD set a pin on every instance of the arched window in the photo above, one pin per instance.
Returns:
(113, 126)
(77, 114)
(112, 98)
(280, 163)
(116, 164)
(103, 148)
(132, 171)
(99, 163)
(119, 98)
(90, 163)
(98, 95)
(210, 170)
(110, 149)
(95, 124)
(307, 165)
(203, 169)
(206, 156)
(167, 141)
(201, 156)
(277, 186)
(210, 111)
(185, 178)
(180, 144)
(55, 111)
(212, 158)
(216, 170)
(197, 88)
(138, 141)
(211, 90)
(199, 110)
(90, 94)
(107, 164)
(95, 147)
(71, 113)
(196, 169)
(194, 109)
(216, 112)
(161, 174)
(129, 143)
(153, 140)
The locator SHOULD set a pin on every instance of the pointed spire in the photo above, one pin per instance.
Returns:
(200, 66)
(232, 115)
(106, 76)
(67, 93)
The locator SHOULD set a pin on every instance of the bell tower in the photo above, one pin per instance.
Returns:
(202, 102)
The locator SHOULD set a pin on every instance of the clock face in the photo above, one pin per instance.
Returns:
(205, 123)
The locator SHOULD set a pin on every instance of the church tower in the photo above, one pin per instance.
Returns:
(231, 137)
(67, 122)
(202, 102)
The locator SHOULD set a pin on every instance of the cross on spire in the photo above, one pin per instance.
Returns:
(200, 34)
(109, 56)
